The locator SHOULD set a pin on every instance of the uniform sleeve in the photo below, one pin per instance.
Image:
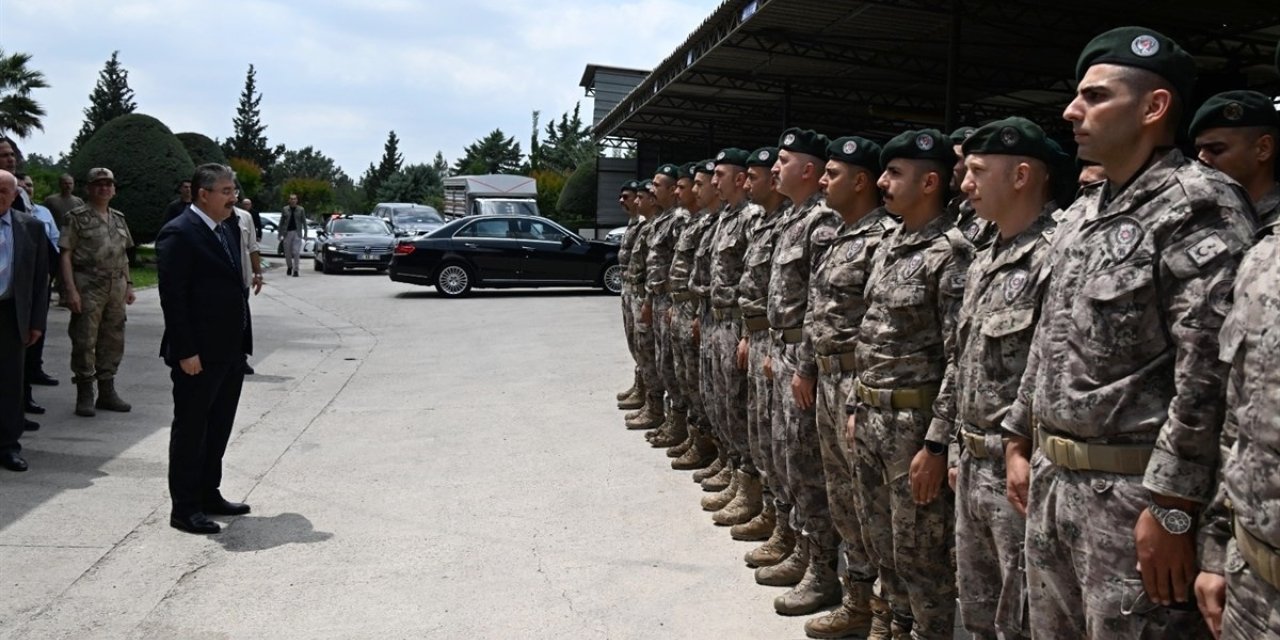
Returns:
(67, 236)
(951, 285)
(821, 234)
(806, 358)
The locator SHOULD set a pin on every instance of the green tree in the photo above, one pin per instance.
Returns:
(535, 147)
(313, 194)
(249, 174)
(375, 176)
(147, 160)
(577, 202)
(550, 184)
(568, 143)
(249, 137)
(494, 153)
(110, 99)
(348, 198)
(440, 165)
(414, 183)
(308, 162)
(20, 114)
(201, 148)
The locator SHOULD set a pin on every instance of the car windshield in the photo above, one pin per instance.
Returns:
(358, 225)
(418, 217)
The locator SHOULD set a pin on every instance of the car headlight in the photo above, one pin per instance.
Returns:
(333, 247)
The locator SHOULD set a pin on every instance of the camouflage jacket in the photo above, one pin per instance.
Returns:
(728, 250)
(662, 247)
(1127, 347)
(700, 277)
(753, 289)
(807, 225)
(1268, 208)
(979, 232)
(993, 332)
(686, 250)
(639, 255)
(634, 224)
(836, 306)
(913, 300)
(95, 242)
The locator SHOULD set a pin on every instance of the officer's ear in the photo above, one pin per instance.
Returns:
(1265, 147)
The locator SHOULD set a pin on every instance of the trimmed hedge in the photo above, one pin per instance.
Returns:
(201, 148)
(578, 198)
(147, 160)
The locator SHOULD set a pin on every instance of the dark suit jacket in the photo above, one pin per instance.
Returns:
(30, 273)
(202, 294)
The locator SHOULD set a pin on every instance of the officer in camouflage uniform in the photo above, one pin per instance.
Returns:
(632, 398)
(1009, 181)
(742, 501)
(825, 375)
(716, 477)
(979, 232)
(1236, 132)
(808, 228)
(95, 272)
(913, 297)
(1123, 386)
(772, 525)
(652, 413)
(663, 234)
(678, 281)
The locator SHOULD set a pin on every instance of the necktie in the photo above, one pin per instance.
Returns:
(226, 246)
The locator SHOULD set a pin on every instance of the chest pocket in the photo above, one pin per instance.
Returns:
(849, 279)
(788, 255)
(1117, 316)
(1006, 338)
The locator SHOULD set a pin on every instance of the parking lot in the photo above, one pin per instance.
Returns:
(418, 467)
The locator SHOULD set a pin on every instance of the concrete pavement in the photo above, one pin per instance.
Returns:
(418, 468)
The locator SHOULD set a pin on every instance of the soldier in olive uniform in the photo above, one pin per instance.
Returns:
(1123, 387)
(632, 398)
(95, 273)
(664, 231)
(669, 435)
(1009, 182)
(717, 476)
(1236, 132)
(979, 232)
(825, 374)
(808, 228)
(651, 414)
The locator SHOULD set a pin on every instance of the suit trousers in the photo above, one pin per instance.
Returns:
(292, 249)
(204, 411)
(12, 355)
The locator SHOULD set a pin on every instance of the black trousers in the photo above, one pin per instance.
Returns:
(204, 410)
(12, 357)
(35, 356)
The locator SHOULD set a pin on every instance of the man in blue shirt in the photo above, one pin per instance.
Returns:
(34, 367)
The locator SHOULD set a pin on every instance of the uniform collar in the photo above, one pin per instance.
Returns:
(905, 240)
(1000, 255)
(1150, 180)
(877, 216)
(1268, 204)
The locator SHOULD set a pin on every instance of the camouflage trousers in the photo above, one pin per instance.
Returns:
(1082, 576)
(97, 332)
(990, 572)
(629, 320)
(646, 359)
(731, 390)
(663, 348)
(798, 454)
(760, 411)
(837, 467)
(1253, 605)
(685, 357)
(707, 378)
(911, 545)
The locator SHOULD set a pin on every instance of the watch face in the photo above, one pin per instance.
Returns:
(1176, 522)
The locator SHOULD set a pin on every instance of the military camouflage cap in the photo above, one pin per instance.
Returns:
(856, 150)
(1235, 109)
(922, 144)
(706, 166)
(687, 169)
(1141, 48)
(670, 170)
(630, 185)
(100, 173)
(732, 156)
(1015, 136)
(960, 135)
(763, 157)
(806, 141)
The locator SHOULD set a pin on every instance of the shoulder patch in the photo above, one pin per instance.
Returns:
(911, 265)
(855, 246)
(1014, 283)
(822, 236)
(1123, 237)
(1207, 249)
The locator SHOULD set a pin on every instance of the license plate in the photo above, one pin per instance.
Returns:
(368, 256)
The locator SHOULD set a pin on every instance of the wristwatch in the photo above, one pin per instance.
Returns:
(936, 449)
(1175, 521)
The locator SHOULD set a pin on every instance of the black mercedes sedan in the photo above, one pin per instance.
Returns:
(505, 251)
(354, 241)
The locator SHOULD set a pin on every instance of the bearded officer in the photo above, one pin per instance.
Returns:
(1236, 133)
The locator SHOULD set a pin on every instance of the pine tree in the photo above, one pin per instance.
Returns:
(535, 149)
(375, 177)
(440, 165)
(111, 98)
(494, 153)
(249, 140)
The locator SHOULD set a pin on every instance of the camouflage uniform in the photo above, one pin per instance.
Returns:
(981, 233)
(97, 247)
(686, 308)
(1126, 354)
(634, 225)
(700, 288)
(833, 317)
(646, 358)
(994, 331)
(1250, 484)
(913, 298)
(663, 234)
(730, 383)
(1268, 207)
(802, 233)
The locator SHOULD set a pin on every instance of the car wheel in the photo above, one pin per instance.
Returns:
(612, 279)
(453, 280)
(328, 268)
(315, 264)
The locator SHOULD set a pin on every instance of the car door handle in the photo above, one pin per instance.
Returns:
(471, 245)
(526, 248)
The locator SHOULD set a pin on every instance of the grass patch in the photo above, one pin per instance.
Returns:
(143, 276)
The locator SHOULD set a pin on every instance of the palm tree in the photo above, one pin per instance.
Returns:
(19, 113)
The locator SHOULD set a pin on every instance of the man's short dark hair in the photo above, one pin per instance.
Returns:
(17, 153)
(20, 175)
(208, 175)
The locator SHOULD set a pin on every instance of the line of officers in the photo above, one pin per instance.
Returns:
(915, 397)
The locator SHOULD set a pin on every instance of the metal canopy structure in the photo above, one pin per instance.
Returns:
(755, 67)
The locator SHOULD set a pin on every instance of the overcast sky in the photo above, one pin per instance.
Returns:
(339, 74)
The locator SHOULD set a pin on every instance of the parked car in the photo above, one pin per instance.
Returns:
(349, 241)
(272, 242)
(505, 251)
(615, 236)
(407, 219)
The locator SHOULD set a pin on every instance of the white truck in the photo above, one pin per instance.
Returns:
(489, 195)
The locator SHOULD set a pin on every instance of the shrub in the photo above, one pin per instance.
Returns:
(249, 174)
(316, 196)
(550, 185)
(578, 199)
(201, 148)
(147, 160)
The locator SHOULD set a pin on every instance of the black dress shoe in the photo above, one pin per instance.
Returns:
(222, 507)
(194, 523)
(12, 461)
(32, 407)
(43, 379)
(30, 425)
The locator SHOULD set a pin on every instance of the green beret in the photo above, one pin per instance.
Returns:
(686, 170)
(1015, 136)
(1144, 49)
(1235, 109)
(630, 185)
(706, 166)
(646, 186)
(732, 156)
(856, 150)
(807, 141)
(922, 144)
(960, 135)
(763, 157)
(670, 170)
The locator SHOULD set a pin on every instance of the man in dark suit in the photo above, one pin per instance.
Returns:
(24, 304)
(207, 334)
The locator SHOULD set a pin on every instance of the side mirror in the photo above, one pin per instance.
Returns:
(566, 242)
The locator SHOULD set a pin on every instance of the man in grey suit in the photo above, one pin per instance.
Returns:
(293, 224)
(24, 304)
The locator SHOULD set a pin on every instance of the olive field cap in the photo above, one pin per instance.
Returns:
(1141, 48)
(806, 141)
(920, 144)
(960, 135)
(1015, 136)
(100, 173)
(732, 156)
(763, 157)
(1234, 109)
(856, 150)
